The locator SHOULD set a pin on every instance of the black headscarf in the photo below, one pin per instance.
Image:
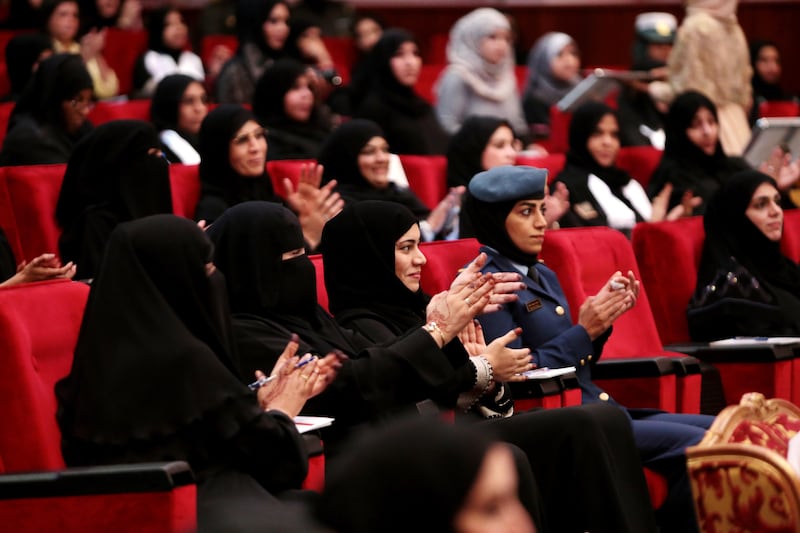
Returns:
(22, 51)
(91, 17)
(581, 163)
(166, 103)
(261, 232)
(156, 22)
(250, 18)
(359, 258)
(218, 179)
(154, 354)
(60, 77)
(729, 233)
(268, 106)
(466, 147)
(339, 156)
(684, 164)
(762, 89)
(110, 178)
(432, 467)
(383, 80)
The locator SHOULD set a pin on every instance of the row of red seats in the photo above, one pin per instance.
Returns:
(28, 194)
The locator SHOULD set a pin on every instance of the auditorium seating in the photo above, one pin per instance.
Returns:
(585, 259)
(39, 324)
(427, 177)
(122, 49)
(130, 109)
(669, 256)
(184, 181)
(278, 169)
(779, 108)
(426, 83)
(553, 162)
(639, 161)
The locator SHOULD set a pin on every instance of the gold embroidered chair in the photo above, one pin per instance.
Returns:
(741, 480)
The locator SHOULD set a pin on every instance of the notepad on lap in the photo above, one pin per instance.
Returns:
(310, 423)
(545, 373)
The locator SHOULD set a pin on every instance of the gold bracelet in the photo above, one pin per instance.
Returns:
(433, 327)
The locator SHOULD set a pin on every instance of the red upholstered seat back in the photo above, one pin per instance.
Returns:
(319, 270)
(558, 142)
(779, 108)
(639, 161)
(427, 177)
(39, 325)
(426, 83)
(131, 110)
(31, 210)
(584, 259)
(122, 49)
(5, 113)
(790, 243)
(445, 259)
(554, 163)
(285, 168)
(184, 181)
(668, 254)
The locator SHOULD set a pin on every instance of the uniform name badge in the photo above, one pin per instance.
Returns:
(533, 305)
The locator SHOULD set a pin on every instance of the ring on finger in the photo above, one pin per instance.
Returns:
(469, 302)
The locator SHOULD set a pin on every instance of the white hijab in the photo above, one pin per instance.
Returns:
(494, 81)
(720, 9)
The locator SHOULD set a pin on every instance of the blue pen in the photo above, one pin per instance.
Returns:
(260, 382)
(304, 362)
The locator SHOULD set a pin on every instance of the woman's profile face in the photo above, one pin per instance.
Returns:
(603, 143)
(298, 102)
(525, 225)
(496, 46)
(63, 22)
(765, 211)
(193, 108)
(704, 131)
(76, 110)
(276, 27)
(176, 33)
(406, 64)
(567, 64)
(373, 162)
(408, 258)
(500, 150)
(768, 64)
(492, 504)
(248, 150)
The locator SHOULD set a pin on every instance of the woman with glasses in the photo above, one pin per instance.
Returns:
(233, 154)
(51, 115)
(177, 110)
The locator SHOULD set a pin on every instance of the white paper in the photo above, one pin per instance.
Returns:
(545, 373)
(754, 341)
(310, 423)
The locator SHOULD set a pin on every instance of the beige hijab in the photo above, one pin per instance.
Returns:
(720, 9)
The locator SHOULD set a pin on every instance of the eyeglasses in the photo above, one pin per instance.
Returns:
(245, 138)
(85, 103)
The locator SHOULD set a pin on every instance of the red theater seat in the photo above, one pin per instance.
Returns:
(554, 163)
(132, 109)
(319, 270)
(278, 169)
(426, 83)
(427, 177)
(639, 161)
(184, 181)
(779, 108)
(122, 49)
(29, 208)
(584, 259)
(5, 113)
(39, 324)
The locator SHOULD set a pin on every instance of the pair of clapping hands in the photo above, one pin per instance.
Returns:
(294, 379)
(473, 293)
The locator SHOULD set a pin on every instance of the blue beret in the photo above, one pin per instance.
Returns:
(508, 182)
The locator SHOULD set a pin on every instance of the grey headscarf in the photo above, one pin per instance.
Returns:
(541, 83)
(492, 81)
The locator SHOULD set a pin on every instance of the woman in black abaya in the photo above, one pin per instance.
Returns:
(155, 375)
(116, 174)
(179, 105)
(285, 102)
(745, 285)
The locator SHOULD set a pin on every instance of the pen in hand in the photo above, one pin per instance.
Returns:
(260, 382)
